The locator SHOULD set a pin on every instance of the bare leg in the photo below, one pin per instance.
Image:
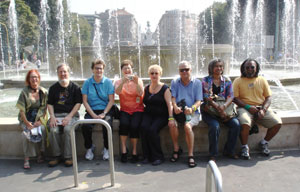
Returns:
(189, 137)
(174, 135)
(244, 134)
(123, 139)
(134, 144)
(272, 132)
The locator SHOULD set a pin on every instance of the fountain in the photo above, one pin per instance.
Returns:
(180, 35)
(193, 38)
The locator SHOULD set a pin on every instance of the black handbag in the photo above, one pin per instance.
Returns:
(180, 118)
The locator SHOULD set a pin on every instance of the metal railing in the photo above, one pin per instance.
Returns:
(110, 146)
(212, 170)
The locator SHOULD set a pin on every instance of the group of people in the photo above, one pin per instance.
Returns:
(144, 111)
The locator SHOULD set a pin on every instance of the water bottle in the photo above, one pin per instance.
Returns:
(187, 117)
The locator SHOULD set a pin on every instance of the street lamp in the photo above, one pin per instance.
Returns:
(7, 39)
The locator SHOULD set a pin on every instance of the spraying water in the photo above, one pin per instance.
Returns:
(44, 27)
(79, 43)
(118, 42)
(212, 32)
(234, 14)
(97, 40)
(61, 32)
(2, 54)
(14, 28)
(158, 44)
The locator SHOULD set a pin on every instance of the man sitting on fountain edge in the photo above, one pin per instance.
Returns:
(252, 94)
(64, 101)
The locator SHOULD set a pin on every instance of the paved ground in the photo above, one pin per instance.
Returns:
(279, 172)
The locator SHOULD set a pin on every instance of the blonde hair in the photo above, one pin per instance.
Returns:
(155, 67)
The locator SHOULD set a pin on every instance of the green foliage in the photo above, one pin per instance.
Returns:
(27, 22)
(221, 25)
(85, 31)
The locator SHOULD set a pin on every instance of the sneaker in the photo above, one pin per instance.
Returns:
(68, 162)
(245, 153)
(90, 153)
(265, 149)
(105, 154)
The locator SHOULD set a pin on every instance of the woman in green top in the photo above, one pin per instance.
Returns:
(32, 104)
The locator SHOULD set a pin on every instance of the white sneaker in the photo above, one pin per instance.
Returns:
(105, 154)
(90, 153)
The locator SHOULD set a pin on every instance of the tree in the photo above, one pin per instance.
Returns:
(220, 20)
(27, 22)
(85, 31)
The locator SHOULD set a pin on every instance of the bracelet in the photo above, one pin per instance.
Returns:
(247, 107)
(170, 118)
(194, 108)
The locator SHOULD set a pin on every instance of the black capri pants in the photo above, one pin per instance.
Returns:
(130, 124)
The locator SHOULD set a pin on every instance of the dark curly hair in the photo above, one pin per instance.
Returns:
(243, 72)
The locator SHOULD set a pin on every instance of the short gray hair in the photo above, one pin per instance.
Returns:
(185, 63)
(61, 65)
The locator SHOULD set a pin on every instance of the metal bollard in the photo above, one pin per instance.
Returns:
(212, 169)
(110, 146)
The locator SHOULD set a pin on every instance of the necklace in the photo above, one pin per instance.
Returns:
(153, 89)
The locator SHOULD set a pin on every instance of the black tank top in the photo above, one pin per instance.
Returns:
(155, 104)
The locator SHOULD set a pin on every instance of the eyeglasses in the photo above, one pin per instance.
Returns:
(154, 73)
(250, 67)
(184, 70)
(34, 77)
(98, 68)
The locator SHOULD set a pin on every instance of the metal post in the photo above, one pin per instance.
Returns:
(212, 170)
(110, 146)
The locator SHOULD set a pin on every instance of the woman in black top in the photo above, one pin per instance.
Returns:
(158, 108)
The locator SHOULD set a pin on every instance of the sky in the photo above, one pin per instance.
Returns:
(144, 11)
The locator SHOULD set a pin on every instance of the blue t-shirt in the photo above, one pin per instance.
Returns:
(191, 92)
(104, 89)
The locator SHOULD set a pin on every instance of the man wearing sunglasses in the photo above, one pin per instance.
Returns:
(252, 94)
(188, 90)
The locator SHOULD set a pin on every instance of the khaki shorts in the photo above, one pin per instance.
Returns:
(270, 119)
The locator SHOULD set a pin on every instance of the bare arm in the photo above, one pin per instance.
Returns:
(68, 118)
(240, 103)
(177, 109)
(171, 120)
(189, 110)
(87, 107)
(24, 119)
(52, 116)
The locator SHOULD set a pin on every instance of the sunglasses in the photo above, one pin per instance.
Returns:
(184, 70)
(250, 67)
(154, 73)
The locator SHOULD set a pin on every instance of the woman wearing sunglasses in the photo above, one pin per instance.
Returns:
(158, 107)
(130, 90)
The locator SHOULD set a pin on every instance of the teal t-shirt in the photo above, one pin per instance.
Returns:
(98, 101)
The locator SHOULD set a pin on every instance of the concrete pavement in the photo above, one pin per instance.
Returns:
(279, 172)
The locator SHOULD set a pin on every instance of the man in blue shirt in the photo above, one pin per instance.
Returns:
(98, 98)
(185, 90)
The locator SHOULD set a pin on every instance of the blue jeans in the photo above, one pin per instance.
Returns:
(214, 132)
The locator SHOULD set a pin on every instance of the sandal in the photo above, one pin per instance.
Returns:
(191, 164)
(173, 159)
(40, 159)
(26, 164)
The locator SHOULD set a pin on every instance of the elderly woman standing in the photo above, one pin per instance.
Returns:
(130, 90)
(158, 107)
(217, 85)
(32, 104)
